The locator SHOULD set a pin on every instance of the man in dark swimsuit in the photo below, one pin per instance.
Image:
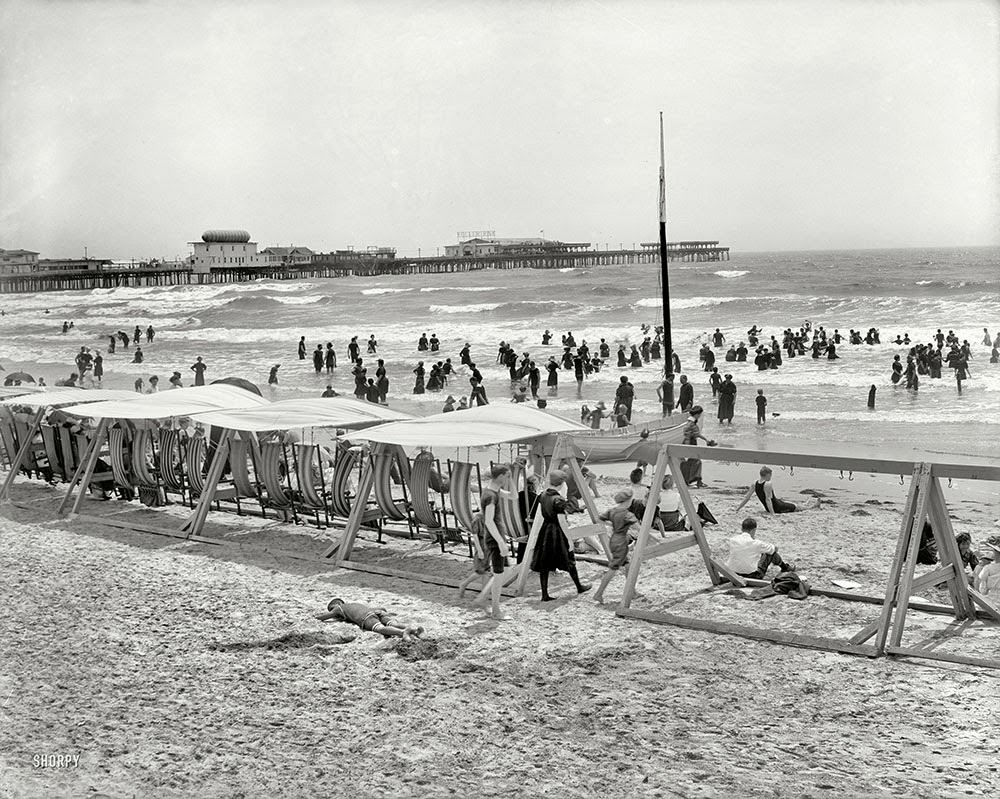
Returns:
(765, 493)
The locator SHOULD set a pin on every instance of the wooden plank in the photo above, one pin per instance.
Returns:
(865, 632)
(902, 546)
(585, 531)
(676, 545)
(924, 607)
(88, 472)
(366, 482)
(694, 520)
(939, 575)
(632, 577)
(22, 454)
(906, 583)
(738, 580)
(966, 471)
(986, 604)
(944, 535)
(948, 657)
(803, 460)
(145, 528)
(754, 633)
(588, 500)
(386, 571)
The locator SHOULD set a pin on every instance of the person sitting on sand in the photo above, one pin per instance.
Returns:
(987, 578)
(624, 525)
(765, 493)
(377, 620)
(750, 557)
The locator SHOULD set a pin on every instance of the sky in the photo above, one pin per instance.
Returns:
(129, 128)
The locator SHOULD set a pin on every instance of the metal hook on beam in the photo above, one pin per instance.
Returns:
(841, 474)
(949, 482)
(901, 482)
(791, 470)
(850, 477)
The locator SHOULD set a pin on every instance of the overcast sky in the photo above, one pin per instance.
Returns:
(132, 127)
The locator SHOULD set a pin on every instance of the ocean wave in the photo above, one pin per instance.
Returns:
(689, 302)
(460, 288)
(472, 308)
(313, 300)
(376, 292)
(731, 272)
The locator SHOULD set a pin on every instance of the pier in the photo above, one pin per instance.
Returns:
(363, 265)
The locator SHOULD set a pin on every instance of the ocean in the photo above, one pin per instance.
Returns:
(243, 329)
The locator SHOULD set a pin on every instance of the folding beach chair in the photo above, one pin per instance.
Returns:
(340, 487)
(311, 484)
(142, 459)
(171, 461)
(277, 486)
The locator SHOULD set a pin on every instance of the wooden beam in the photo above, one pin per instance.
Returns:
(906, 583)
(146, 528)
(345, 546)
(697, 529)
(88, 475)
(984, 603)
(22, 453)
(646, 523)
(736, 579)
(947, 657)
(675, 545)
(386, 571)
(902, 546)
(939, 575)
(865, 632)
(944, 535)
(964, 471)
(774, 636)
(803, 460)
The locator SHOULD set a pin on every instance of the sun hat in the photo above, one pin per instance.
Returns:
(624, 494)
(695, 409)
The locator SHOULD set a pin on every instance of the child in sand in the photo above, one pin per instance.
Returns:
(623, 523)
(377, 620)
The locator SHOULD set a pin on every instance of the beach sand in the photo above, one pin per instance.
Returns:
(176, 668)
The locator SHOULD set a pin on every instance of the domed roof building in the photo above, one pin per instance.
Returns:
(225, 237)
(219, 249)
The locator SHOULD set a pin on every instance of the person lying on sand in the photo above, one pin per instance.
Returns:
(749, 557)
(765, 493)
(377, 620)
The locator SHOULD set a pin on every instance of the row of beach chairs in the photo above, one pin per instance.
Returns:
(409, 497)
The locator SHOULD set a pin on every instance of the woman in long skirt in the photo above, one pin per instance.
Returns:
(552, 549)
(418, 386)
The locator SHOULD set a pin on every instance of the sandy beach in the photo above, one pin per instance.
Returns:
(171, 668)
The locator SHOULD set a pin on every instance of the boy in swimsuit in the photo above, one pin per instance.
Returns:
(376, 620)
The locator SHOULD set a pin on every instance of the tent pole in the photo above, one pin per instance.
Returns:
(21, 454)
(99, 437)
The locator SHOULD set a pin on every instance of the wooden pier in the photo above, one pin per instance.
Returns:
(363, 265)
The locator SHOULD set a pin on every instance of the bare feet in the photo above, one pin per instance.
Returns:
(549, 598)
(598, 599)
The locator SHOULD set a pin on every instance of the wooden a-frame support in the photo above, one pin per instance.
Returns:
(925, 502)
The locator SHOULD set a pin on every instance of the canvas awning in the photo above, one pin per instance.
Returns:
(174, 402)
(344, 412)
(67, 396)
(475, 427)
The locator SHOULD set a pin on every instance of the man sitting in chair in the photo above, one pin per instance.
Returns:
(749, 557)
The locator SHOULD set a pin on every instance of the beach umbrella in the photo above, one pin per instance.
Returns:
(18, 377)
(239, 382)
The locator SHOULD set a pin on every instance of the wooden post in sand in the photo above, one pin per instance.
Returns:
(196, 521)
(85, 470)
(22, 453)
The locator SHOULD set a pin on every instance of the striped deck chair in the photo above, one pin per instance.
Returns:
(340, 484)
(82, 445)
(68, 455)
(383, 463)
(239, 452)
(194, 464)
(7, 437)
(52, 452)
(510, 505)
(272, 459)
(118, 454)
(311, 486)
(142, 453)
(459, 493)
(420, 480)
(171, 460)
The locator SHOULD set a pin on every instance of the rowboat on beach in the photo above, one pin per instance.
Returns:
(634, 442)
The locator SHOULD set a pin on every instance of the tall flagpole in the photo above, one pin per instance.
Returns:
(668, 355)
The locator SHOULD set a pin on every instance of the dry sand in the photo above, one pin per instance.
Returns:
(173, 668)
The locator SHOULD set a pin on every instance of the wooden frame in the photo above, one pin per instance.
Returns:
(925, 501)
